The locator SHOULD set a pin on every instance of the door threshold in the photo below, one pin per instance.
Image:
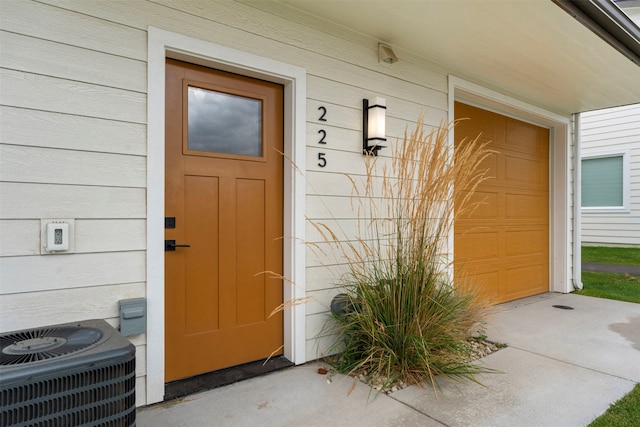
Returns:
(223, 377)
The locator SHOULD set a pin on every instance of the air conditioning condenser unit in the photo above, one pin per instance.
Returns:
(74, 374)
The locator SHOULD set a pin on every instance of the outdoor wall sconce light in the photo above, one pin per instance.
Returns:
(385, 54)
(373, 119)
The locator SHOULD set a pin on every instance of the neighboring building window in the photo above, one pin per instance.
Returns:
(604, 182)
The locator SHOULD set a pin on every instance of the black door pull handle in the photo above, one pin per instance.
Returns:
(170, 246)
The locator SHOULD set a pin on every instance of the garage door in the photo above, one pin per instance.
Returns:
(503, 246)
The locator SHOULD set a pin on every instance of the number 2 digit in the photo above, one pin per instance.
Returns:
(324, 113)
(324, 135)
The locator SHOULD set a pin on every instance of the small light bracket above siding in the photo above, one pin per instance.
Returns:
(386, 54)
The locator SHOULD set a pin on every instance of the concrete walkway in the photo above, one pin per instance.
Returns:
(563, 367)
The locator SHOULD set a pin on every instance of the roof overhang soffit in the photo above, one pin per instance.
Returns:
(607, 21)
(531, 50)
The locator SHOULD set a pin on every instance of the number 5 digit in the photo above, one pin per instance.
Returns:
(322, 161)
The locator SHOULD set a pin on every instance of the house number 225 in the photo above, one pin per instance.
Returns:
(322, 160)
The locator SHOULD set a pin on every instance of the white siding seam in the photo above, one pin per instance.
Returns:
(88, 49)
(75, 150)
(75, 12)
(64, 113)
(12, 181)
(91, 83)
(44, 110)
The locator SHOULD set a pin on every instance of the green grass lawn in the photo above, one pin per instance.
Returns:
(624, 287)
(627, 256)
(623, 413)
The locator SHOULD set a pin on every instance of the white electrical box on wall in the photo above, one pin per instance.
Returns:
(57, 236)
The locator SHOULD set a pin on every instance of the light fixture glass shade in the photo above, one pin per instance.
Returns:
(376, 125)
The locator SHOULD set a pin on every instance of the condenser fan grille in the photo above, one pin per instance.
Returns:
(73, 374)
(45, 343)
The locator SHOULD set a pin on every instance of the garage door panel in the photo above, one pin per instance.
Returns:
(504, 244)
(525, 279)
(525, 171)
(526, 138)
(490, 166)
(485, 282)
(526, 242)
(478, 274)
(486, 204)
(478, 246)
(474, 122)
(527, 206)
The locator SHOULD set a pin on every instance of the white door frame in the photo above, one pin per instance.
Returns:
(560, 203)
(164, 44)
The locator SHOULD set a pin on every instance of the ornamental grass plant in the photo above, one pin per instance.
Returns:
(405, 320)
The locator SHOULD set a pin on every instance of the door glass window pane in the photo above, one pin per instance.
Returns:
(223, 123)
(602, 182)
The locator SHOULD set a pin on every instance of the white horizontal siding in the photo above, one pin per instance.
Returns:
(619, 139)
(318, 279)
(66, 305)
(609, 240)
(110, 235)
(38, 56)
(71, 97)
(36, 201)
(614, 114)
(55, 130)
(54, 166)
(607, 231)
(343, 229)
(614, 130)
(323, 341)
(327, 254)
(621, 221)
(250, 29)
(22, 237)
(74, 29)
(51, 272)
(319, 301)
(73, 120)
(335, 92)
(19, 237)
(602, 127)
(321, 346)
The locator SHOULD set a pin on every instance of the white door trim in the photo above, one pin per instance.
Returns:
(560, 203)
(164, 44)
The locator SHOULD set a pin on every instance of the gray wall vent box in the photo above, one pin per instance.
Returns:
(133, 316)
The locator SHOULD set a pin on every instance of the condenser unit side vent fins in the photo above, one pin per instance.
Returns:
(89, 383)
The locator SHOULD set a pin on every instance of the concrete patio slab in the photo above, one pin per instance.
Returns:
(563, 367)
(533, 390)
(599, 334)
(293, 397)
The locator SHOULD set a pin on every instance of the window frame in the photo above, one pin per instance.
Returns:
(626, 173)
(187, 84)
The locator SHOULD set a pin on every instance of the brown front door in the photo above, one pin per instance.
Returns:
(223, 198)
(504, 244)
